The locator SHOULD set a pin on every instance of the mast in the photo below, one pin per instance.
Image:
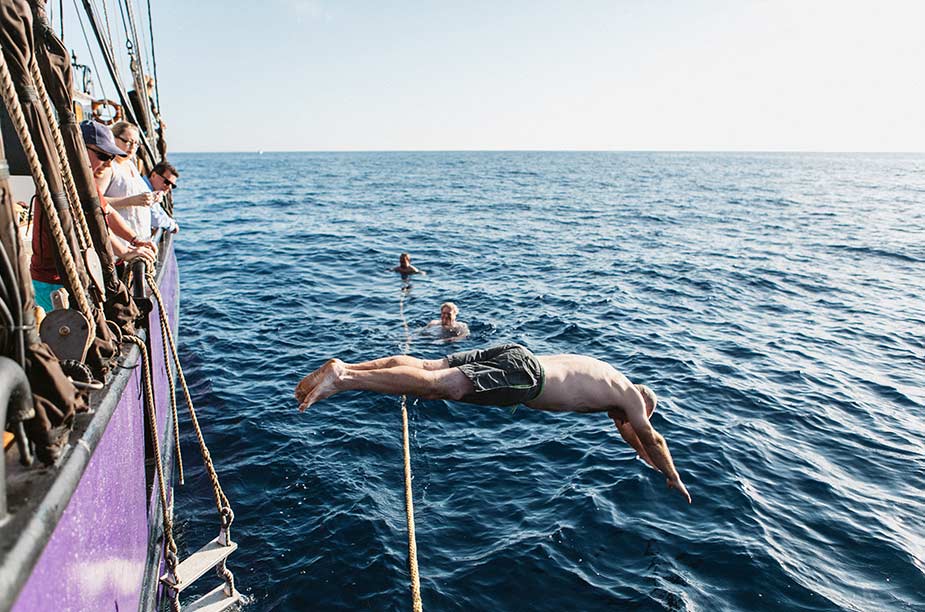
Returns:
(117, 81)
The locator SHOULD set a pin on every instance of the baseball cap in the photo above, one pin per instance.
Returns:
(99, 136)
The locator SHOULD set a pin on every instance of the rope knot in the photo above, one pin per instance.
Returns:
(227, 517)
(171, 561)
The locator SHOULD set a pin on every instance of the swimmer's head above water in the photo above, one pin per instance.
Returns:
(448, 312)
(404, 266)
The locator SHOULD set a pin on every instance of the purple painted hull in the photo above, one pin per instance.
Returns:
(99, 553)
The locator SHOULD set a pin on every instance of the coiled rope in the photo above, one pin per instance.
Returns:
(8, 91)
(409, 502)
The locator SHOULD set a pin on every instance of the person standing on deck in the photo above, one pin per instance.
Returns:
(507, 375)
(101, 150)
(124, 186)
(163, 178)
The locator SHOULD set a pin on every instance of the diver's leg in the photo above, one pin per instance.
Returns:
(403, 380)
(387, 362)
(335, 376)
(400, 360)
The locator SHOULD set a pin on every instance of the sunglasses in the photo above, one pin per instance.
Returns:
(129, 142)
(102, 155)
(172, 184)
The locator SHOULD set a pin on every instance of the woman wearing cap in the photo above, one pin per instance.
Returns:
(101, 153)
(124, 188)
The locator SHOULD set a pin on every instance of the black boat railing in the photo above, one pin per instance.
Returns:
(139, 286)
(14, 387)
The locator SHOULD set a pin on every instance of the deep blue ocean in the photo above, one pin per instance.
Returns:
(773, 301)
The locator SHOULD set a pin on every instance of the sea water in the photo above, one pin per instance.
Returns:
(773, 301)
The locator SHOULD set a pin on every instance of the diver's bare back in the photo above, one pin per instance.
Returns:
(577, 383)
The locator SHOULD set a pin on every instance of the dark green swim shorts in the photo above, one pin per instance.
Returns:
(503, 375)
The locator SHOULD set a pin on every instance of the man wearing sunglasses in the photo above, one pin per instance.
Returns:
(163, 179)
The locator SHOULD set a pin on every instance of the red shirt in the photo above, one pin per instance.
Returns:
(43, 267)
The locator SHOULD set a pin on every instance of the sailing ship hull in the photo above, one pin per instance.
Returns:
(105, 550)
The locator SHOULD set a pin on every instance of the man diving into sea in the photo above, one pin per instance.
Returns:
(507, 375)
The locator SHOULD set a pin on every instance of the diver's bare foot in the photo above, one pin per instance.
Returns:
(319, 384)
(308, 383)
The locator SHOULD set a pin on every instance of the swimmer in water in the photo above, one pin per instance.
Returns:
(451, 329)
(404, 266)
(508, 375)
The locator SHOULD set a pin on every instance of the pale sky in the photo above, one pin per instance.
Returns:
(319, 75)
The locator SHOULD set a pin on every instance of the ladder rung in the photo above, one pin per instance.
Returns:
(214, 601)
(199, 563)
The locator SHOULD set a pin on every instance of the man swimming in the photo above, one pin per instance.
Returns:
(507, 375)
(404, 266)
(452, 330)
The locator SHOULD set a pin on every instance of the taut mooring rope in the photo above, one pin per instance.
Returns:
(409, 502)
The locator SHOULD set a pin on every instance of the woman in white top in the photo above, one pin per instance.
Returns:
(126, 189)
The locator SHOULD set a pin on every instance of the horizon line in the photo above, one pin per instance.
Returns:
(802, 151)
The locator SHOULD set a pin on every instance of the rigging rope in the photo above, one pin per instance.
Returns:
(83, 233)
(96, 70)
(173, 395)
(226, 514)
(132, 44)
(221, 500)
(108, 29)
(140, 41)
(114, 71)
(409, 502)
(67, 260)
(146, 116)
(157, 92)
